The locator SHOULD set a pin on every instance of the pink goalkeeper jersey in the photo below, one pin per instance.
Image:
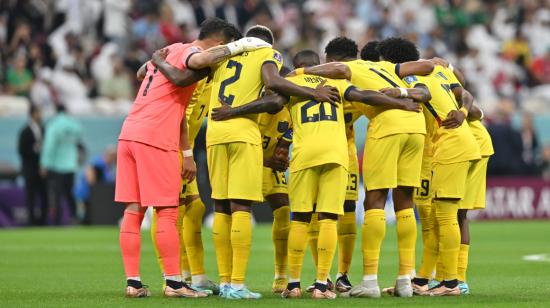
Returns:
(159, 106)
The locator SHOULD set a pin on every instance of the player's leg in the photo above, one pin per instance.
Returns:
(313, 236)
(333, 179)
(279, 233)
(127, 191)
(302, 191)
(244, 187)
(463, 252)
(160, 183)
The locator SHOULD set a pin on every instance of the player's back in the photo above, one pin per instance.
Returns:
(449, 145)
(159, 105)
(319, 128)
(238, 81)
(369, 75)
(198, 107)
(272, 127)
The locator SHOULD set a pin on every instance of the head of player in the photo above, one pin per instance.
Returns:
(261, 32)
(215, 31)
(306, 58)
(341, 49)
(398, 50)
(369, 52)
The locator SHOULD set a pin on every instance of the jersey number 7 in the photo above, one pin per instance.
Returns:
(238, 68)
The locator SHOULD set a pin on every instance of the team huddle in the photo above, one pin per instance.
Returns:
(424, 141)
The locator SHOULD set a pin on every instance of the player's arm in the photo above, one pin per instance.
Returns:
(189, 169)
(181, 78)
(420, 67)
(475, 113)
(458, 74)
(455, 118)
(274, 82)
(419, 93)
(142, 71)
(268, 103)
(217, 54)
(377, 99)
(333, 70)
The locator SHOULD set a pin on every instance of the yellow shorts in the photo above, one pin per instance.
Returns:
(423, 194)
(353, 176)
(235, 170)
(476, 186)
(449, 180)
(393, 161)
(187, 189)
(323, 185)
(274, 182)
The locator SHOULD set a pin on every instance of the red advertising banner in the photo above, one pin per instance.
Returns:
(516, 198)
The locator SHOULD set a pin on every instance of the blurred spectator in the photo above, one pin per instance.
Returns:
(42, 93)
(59, 161)
(508, 146)
(545, 164)
(30, 147)
(116, 21)
(540, 68)
(119, 85)
(19, 77)
(530, 144)
(100, 170)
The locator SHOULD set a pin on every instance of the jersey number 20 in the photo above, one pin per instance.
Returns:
(321, 116)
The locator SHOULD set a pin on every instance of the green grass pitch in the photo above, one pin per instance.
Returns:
(58, 267)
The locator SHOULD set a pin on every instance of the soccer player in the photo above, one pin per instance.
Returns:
(234, 155)
(318, 170)
(392, 159)
(149, 143)
(454, 154)
(191, 209)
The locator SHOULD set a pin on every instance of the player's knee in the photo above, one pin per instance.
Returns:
(222, 206)
(276, 201)
(376, 199)
(135, 207)
(462, 216)
(327, 216)
(301, 216)
(190, 199)
(241, 206)
(349, 206)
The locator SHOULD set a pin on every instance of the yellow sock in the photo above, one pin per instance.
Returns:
(424, 211)
(184, 260)
(297, 242)
(406, 240)
(221, 235)
(430, 252)
(373, 232)
(462, 262)
(279, 235)
(154, 239)
(439, 272)
(449, 236)
(347, 233)
(313, 235)
(326, 247)
(192, 235)
(241, 239)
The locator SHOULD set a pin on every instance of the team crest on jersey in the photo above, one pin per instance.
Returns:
(410, 79)
(282, 126)
(277, 56)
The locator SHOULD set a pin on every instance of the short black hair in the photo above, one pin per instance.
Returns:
(306, 58)
(261, 32)
(369, 52)
(398, 50)
(214, 26)
(341, 48)
(60, 108)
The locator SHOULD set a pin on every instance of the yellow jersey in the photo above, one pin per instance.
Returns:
(197, 109)
(383, 122)
(238, 81)
(272, 127)
(482, 137)
(449, 145)
(319, 128)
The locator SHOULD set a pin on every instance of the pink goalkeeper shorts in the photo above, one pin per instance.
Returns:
(147, 175)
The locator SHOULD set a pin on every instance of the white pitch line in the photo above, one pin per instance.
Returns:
(543, 257)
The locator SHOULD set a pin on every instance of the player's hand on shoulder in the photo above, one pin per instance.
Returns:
(391, 92)
(159, 56)
(223, 112)
(253, 43)
(325, 93)
(440, 61)
(454, 119)
(189, 169)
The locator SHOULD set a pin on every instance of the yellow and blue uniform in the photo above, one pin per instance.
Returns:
(234, 146)
(395, 138)
(453, 149)
(351, 114)
(318, 168)
(272, 127)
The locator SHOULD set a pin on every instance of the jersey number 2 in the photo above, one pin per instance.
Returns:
(238, 68)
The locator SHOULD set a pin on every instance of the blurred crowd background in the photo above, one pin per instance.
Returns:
(82, 55)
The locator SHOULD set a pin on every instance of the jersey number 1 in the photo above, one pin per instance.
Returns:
(238, 68)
